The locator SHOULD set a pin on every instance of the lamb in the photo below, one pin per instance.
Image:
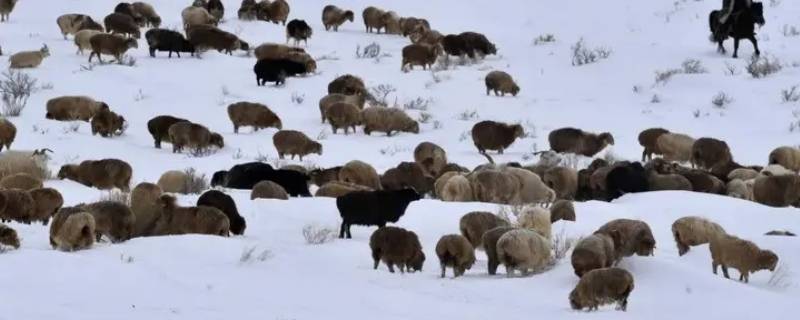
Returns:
(149, 14)
(537, 219)
(34, 163)
(335, 189)
(216, 9)
(602, 286)
(625, 178)
(122, 23)
(577, 141)
(28, 59)
(788, 157)
(107, 123)
(298, 30)
(693, 231)
(373, 19)
(69, 108)
(8, 236)
(593, 252)
(420, 55)
(348, 85)
(6, 6)
(253, 114)
(457, 189)
(127, 9)
(396, 246)
(343, 115)
(293, 143)
(176, 220)
(276, 70)
(72, 230)
(500, 82)
(708, 153)
(491, 135)
(278, 11)
(387, 120)
(82, 39)
(159, 128)
(111, 45)
(210, 37)
(329, 100)
(740, 189)
(268, 190)
(474, 224)
(490, 239)
(167, 40)
(648, 139)
(112, 219)
(333, 17)
(562, 210)
(22, 181)
(431, 158)
(563, 180)
(523, 250)
(742, 255)
(145, 207)
(195, 136)
(47, 202)
(225, 204)
(71, 23)
(102, 174)
(193, 16)
(455, 251)
(373, 208)
(16, 205)
(660, 182)
(407, 175)
(630, 236)
(360, 173)
(777, 191)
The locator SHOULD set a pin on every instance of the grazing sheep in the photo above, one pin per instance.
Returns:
(248, 10)
(247, 175)
(593, 252)
(455, 251)
(407, 175)
(175, 220)
(8, 236)
(111, 45)
(122, 23)
(209, 37)
(335, 189)
(17, 205)
(708, 153)
(102, 174)
(474, 224)
(693, 231)
(72, 230)
(71, 23)
(348, 85)
(298, 30)
(253, 114)
(69, 108)
(660, 182)
(113, 219)
(344, 115)
(6, 6)
(278, 11)
(159, 128)
(494, 186)
(602, 286)
(577, 141)
(173, 181)
(47, 201)
(107, 123)
(167, 40)
(373, 19)
(630, 237)
(34, 163)
(333, 17)
(28, 59)
(537, 219)
(223, 202)
(745, 256)
(193, 16)
(127, 9)
(387, 120)
(675, 146)
(275, 51)
(276, 70)
(82, 39)
(322, 176)
(424, 35)
(431, 158)
(145, 207)
(456, 189)
(491, 135)
(777, 191)
(8, 131)
(702, 181)
(392, 22)
(293, 143)
(523, 250)
(738, 188)
(500, 82)
(396, 246)
(268, 190)
(419, 55)
(563, 180)
(489, 240)
(147, 12)
(328, 101)
(743, 174)
(409, 24)
(22, 181)
(360, 173)
(562, 210)
(532, 189)
(625, 178)
(216, 9)
(373, 208)
(468, 43)
(186, 134)
(648, 139)
(788, 157)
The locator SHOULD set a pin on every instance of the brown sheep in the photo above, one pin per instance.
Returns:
(122, 23)
(563, 180)
(176, 220)
(660, 182)
(441, 181)
(335, 189)
(275, 51)
(562, 210)
(424, 35)
(69, 108)
(205, 37)
(7, 133)
(494, 186)
(593, 252)
(322, 176)
(455, 251)
(293, 143)
(693, 231)
(193, 16)
(47, 202)
(392, 22)
(174, 181)
(333, 17)
(8, 236)
(28, 59)
(373, 19)
(648, 139)
(431, 157)
(83, 39)
(112, 219)
(491, 135)
(343, 115)
(159, 128)
(111, 45)
(409, 24)
(407, 175)
(630, 237)
(396, 246)
(474, 224)
(777, 191)
(72, 230)
(71, 23)
(602, 286)
(253, 114)
(457, 189)
(387, 120)
(702, 181)
(500, 83)
(145, 206)
(107, 123)
(102, 174)
(577, 141)
(149, 14)
(278, 11)
(17, 205)
(788, 157)
(360, 173)
(489, 241)
(349, 85)
(745, 256)
(708, 153)
(182, 134)
(327, 101)
(268, 190)
(22, 181)
(420, 55)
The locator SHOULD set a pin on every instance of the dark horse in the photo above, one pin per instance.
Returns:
(740, 25)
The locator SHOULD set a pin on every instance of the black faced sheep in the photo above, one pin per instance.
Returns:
(223, 202)
(373, 208)
(167, 40)
(396, 246)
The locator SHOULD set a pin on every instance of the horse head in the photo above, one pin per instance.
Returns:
(757, 12)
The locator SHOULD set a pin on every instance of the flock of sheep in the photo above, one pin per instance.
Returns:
(364, 197)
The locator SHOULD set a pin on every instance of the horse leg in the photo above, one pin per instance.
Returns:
(735, 47)
(753, 40)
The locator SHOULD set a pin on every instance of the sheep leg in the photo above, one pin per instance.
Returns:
(725, 271)
(341, 233)
(735, 47)
(391, 267)
(444, 268)
(753, 40)
(376, 258)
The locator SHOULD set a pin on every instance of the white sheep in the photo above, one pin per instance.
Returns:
(33, 163)
(523, 250)
(28, 59)
(537, 219)
(675, 146)
(82, 39)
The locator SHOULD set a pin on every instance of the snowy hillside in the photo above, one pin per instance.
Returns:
(201, 277)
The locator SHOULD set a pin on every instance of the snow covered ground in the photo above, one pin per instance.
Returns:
(198, 277)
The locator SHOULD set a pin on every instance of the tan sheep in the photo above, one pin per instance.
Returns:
(537, 219)
(562, 210)
(602, 286)
(777, 191)
(112, 45)
(392, 22)
(33, 163)
(745, 256)
(490, 239)
(693, 231)
(500, 83)
(648, 139)
(426, 36)
(455, 251)
(107, 123)
(71, 23)
(7, 133)
(419, 55)
(278, 11)
(593, 252)
(8, 236)
(112, 219)
(193, 16)
(396, 246)
(373, 19)
(69, 108)
(82, 39)
(173, 181)
(176, 220)
(577, 141)
(743, 174)
(474, 224)
(661, 182)
(72, 230)
(788, 157)
(409, 24)
(360, 173)
(268, 190)
(457, 189)
(275, 51)
(532, 188)
(675, 146)
(523, 250)
(145, 206)
(343, 115)
(47, 202)
(252, 114)
(333, 17)
(441, 181)
(327, 101)
(293, 143)
(387, 120)
(494, 186)
(22, 181)
(431, 157)
(186, 134)
(563, 180)
(335, 189)
(102, 174)
(739, 189)
(28, 59)
(17, 205)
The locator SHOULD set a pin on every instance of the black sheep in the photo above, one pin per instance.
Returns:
(247, 175)
(373, 208)
(219, 177)
(467, 43)
(167, 40)
(159, 128)
(276, 70)
(298, 30)
(224, 202)
(626, 178)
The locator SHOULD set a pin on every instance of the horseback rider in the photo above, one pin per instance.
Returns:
(729, 7)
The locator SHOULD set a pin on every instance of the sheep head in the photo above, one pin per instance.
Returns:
(217, 140)
(167, 202)
(412, 127)
(417, 261)
(574, 300)
(518, 130)
(767, 260)
(606, 138)
(68, 171)
(348, 15)
(45, 51)
(131, 43)
(316, 147)
(9, 237)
